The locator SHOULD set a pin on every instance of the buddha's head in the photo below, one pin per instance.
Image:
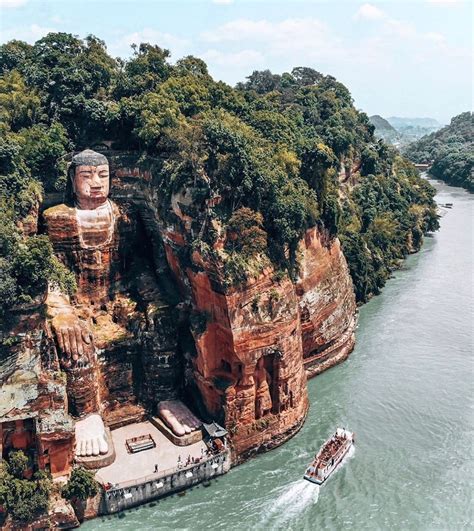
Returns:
(90, 179)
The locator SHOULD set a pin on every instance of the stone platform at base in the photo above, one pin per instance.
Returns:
(129, 467)
(163, 484)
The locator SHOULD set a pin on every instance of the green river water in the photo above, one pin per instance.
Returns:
(406, 391)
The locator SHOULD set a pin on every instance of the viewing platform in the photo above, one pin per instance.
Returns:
(136, 478)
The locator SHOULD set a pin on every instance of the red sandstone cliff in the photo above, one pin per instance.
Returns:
(249, 364)
(254, 340)
(327, 303)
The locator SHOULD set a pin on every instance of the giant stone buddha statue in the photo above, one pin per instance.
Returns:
(85, 237)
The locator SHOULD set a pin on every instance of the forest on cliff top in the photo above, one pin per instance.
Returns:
(274, 149)
(451, 149)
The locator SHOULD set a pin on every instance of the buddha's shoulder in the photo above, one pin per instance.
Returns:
(61, 218)
(61, 211)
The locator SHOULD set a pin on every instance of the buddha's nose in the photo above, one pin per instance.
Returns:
(96, 182)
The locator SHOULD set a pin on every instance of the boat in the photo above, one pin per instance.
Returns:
(329, 456)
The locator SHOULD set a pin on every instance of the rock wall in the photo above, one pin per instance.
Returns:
(255, 341)
(327, 303)
(255, 344)
(33, 401)
(239, 355)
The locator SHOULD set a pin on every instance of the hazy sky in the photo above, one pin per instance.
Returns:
(398, 58)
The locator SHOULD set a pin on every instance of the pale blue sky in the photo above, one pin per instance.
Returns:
(398, 58)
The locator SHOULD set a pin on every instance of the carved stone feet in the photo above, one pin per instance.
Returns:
(91, 439)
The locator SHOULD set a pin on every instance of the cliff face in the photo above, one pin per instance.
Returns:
(326, 301)
(248, 367)
(33, 401)
(239, 355)
(256, 343)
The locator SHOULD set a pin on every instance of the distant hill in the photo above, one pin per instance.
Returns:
(398, 122)
(451, 149)
(381, 123)
(402, 131)
(411, 129)
(384, 130)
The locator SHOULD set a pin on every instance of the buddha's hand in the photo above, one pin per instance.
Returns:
(74, 340)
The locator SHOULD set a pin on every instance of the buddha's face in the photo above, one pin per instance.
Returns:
(91, 186)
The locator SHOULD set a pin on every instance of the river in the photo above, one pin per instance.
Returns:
(406, 391)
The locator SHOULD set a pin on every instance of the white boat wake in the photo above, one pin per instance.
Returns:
(292, 500)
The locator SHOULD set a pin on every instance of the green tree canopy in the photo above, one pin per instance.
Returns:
(81, 485)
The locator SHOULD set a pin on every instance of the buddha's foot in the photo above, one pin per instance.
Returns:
(178, 417)
(90, 436)
(170, 419)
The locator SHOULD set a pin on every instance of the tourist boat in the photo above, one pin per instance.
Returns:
(329, 456)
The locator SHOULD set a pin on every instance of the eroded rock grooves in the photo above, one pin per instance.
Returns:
(158, 321)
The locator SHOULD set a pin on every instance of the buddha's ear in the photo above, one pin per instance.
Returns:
(70, 191)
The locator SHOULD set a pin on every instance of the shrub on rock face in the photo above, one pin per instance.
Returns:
(246, 233)
(17, 464)
(27, 265)
(81, 485)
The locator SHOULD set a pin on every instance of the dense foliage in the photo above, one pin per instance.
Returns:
(80, 486)
(272, 155)
(27, 264)
(23, 499)
(451, 151)
(384, 218)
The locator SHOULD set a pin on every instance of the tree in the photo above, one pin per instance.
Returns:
(16, 184)
(72, 76)
(23, 499)
(191, 66)
(246, 234)
(29, 265)
(261, 81)
(44, 150)
(143, 72)
(369, 161)
(305, 76)
(81, 485)
(19, 105)
(17, 464)
(14, 54)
